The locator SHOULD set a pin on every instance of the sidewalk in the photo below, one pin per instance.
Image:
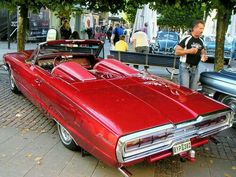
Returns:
(30, 146)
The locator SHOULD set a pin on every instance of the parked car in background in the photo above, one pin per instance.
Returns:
(210, 45)
(120, 115)
(221, 85)
(165, 43)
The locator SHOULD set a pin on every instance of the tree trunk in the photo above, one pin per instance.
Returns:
(223, 17)
(22, 26)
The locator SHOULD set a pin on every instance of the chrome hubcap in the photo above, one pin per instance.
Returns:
(65, 135)
(12, 81)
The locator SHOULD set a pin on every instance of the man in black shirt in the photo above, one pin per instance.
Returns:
(191, 51)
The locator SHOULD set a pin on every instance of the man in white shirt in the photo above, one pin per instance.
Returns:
(140, 42)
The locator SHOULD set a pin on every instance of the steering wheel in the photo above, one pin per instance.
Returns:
(59, 59)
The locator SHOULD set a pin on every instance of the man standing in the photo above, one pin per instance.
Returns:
(89, 30)
(116, 33)
(140, 42)
(191, 51)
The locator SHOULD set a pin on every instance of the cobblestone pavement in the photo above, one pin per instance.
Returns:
(16, 111)
(213, 160)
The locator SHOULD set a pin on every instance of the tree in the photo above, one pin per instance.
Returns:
(65, 6)
(131, 10)
(112, 6)
(177, 17)
(224, 11)
(23, 8)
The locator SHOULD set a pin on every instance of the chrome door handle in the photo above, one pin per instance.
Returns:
(38, 81)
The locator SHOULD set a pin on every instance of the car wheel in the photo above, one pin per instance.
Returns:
(66, 138)
(13, 86)
(229, 101)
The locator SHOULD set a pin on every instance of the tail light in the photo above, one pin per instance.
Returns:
(149, 140)
(152, 141)
(211, 122)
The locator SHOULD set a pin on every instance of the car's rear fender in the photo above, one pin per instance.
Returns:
(94, 137)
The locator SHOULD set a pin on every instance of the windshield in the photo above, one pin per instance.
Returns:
(209, 39)
(212, 39)
(227, 42)
(92, 49)
(167, 36)
(71, 46)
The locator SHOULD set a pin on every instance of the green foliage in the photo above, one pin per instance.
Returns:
(179, 17)
(112, 6)
(32, 5)
(131, 9)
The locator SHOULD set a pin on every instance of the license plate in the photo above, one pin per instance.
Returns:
(182, 147)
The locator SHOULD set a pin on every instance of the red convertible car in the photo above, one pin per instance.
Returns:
(120, 115)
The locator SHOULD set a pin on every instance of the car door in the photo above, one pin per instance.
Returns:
(23, 73)
(52, 92)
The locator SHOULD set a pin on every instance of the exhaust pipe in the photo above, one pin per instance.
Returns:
(124, 172)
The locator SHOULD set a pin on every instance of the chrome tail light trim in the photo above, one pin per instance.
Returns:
(174, 134)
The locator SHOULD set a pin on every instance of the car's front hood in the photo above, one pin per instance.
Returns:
(132, 104)
(227, 47)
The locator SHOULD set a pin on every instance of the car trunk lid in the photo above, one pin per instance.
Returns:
(130, 104)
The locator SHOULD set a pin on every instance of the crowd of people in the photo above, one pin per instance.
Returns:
(139, 39)
(117, 36)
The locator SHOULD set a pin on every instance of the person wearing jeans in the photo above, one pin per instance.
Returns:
(191, 51)
(189, 76)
